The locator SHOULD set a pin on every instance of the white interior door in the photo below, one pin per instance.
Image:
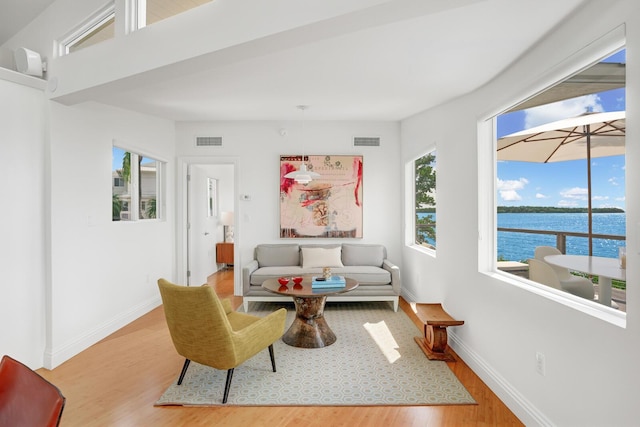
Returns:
(204, 204)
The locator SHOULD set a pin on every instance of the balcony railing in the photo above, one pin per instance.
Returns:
(561, 236)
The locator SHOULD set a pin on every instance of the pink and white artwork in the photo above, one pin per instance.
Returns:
(327, 207)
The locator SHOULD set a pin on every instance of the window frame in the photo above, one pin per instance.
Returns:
(160, 181)
(86, 28)
(410, 197)
(487, 177)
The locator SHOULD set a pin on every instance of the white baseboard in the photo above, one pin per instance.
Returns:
(515, 401)
(55, 356)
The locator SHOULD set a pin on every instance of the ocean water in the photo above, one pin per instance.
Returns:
(520, 246)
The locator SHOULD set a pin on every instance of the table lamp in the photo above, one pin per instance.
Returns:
(226, 219)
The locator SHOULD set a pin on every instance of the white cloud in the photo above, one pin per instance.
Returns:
(613, 181)
(541, 196)
(510, 195)
(512, 184)
(567, 204)
(575, 193)
(600, 198)
(561, 110)
(509, 189)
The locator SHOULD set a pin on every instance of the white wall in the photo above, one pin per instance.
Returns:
(259, 145)
(592, 373)
(103, 273)
(22, 222)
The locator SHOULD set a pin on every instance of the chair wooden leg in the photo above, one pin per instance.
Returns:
(227, 386)
(184, 370)
(273, 359)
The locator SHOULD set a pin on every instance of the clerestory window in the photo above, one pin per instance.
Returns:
(99, 27)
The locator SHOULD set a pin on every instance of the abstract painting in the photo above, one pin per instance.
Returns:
(327, 207)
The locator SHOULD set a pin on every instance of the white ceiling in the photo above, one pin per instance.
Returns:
(384, 72)
(16, 14)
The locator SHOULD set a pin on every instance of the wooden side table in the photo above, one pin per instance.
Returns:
(224, 253)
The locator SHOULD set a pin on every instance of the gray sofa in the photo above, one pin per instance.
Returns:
(379, 278)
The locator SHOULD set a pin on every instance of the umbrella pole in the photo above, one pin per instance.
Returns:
(588, 132)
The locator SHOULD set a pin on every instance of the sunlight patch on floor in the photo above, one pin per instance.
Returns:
(384, 339)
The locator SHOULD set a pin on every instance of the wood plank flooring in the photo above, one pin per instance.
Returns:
(116, 382)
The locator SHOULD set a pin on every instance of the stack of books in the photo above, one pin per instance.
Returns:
(331, 282)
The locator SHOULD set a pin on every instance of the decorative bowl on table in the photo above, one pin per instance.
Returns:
(283, 280)
(297, 280)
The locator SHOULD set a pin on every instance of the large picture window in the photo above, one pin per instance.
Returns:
(560, 185)
(136, 186)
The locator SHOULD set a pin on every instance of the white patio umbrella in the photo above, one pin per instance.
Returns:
(582, 137)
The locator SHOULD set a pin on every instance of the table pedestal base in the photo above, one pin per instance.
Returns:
(309, 329)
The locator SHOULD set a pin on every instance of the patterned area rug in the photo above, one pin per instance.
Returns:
(374, 361)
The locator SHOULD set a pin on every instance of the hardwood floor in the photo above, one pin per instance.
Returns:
(116, 382)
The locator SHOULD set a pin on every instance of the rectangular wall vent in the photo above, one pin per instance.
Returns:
(208, 141)
(366, 141)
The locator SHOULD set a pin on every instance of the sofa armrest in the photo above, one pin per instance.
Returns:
(396, 284)
(247, 270)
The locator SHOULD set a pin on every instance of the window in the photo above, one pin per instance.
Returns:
(97, 28)
(151, 11)
(425, 200)
(575, 201)
(138, 197)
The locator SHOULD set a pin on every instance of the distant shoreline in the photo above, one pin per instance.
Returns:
(553, 209)
(540, 209)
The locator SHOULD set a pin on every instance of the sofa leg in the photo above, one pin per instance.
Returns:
(245, 304)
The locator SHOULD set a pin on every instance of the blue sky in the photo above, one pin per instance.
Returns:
(116, 160)
(563, 184)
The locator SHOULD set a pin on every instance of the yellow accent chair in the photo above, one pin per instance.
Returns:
(208, 331)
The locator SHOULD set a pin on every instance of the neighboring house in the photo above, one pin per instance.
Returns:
(120, 188)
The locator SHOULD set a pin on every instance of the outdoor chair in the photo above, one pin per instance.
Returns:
(27, 399)
(542, 272)
(580, 286)
(208, 331)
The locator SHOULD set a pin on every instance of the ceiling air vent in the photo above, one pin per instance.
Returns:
(208, 141)
(366, 141)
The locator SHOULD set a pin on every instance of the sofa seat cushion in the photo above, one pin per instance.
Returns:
(360, 291)
(264, 273)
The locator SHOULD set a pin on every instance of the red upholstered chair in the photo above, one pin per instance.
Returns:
(27, 399)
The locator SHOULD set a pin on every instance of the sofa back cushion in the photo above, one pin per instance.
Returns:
(372, 255)
(321, 257)
(277, 255)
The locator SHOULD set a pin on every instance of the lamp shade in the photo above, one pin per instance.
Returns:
(226, 218)
(302, 176)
